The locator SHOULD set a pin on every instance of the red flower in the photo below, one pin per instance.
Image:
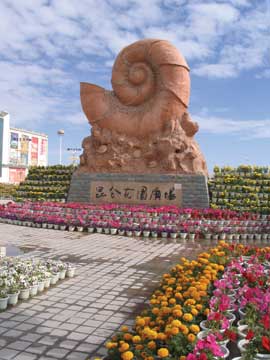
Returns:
(266, 342)
(266, 321)
(203, 356)
(231, 335)
(250, 335)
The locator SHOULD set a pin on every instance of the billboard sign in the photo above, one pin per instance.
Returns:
(43, 152)
(24, 149)
(14, 140)
(1, 143)
(34, 151)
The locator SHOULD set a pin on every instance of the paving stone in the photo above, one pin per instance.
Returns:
(19, 345)
(13, 333)
(48, 340)
(77, 356)
(59, 353)
(69, 344)
(31, 337)
(25, 356)
(37, 348)
(8, 353)
(74, 318)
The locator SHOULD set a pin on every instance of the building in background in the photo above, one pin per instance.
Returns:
(19, 149)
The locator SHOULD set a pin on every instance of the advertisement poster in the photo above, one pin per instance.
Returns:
(24, 149)
(14, 140)
(34, 151)
(1, 144)
(16, 175)
(43, 152)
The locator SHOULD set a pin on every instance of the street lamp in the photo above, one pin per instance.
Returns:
(60, 134)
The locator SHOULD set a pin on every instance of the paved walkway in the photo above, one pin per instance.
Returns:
(72, 320)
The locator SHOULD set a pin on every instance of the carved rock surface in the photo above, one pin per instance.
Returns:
(143, 125)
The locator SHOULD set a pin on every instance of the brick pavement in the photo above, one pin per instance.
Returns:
(72, 320)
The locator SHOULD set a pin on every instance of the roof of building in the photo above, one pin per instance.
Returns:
(3, 113)
(28, 131)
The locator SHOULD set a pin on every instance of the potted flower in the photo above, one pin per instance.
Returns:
(71, 268)
(3, 298)
(13, 293)
(24, 287)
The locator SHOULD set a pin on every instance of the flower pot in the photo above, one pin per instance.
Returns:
(80, 228)
(71, 228)
(121, 232)
(262, 356)
(3, 303)
(24, 294)
(62, 274)
(191, 236)
(242, 313)
(56, 227)
(54, 278)
(164, 234)
(70, 272)
(33, 290)
(225, 351)
(50, 226)
(44, 226)
(13, 298)
(99, 230)
(90, 230)
(63, 227)
(113, 231)
(242, 331)
(41, 286)
(137, 233)
(183, 236)
(241, 345)
(173, 235)
(154, 234)
(146, 233)
(47, 283)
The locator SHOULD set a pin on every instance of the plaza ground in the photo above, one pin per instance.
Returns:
(73, 320)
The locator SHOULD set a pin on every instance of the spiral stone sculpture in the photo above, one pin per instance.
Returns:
(143, 125)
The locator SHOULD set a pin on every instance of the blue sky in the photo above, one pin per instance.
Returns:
(48, 47)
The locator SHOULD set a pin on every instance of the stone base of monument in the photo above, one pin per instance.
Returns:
(186, 191)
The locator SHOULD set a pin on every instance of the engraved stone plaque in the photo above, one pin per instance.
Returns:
(130, 192)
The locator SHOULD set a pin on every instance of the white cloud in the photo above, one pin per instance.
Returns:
(215, 70)
(245, 129)
(45, 45)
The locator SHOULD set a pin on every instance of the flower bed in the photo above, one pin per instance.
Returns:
(45, 183)
(167, 221)
(23, 278)
(196, 294)
(244, 188)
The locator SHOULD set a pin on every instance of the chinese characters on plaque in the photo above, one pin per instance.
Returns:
(135, 193)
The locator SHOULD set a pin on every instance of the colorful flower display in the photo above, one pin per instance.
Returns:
(45, 183)
(21, 278)
(165, 221)
(245, 188)
(197, 293)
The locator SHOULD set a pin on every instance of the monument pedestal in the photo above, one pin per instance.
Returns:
(186, 191)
